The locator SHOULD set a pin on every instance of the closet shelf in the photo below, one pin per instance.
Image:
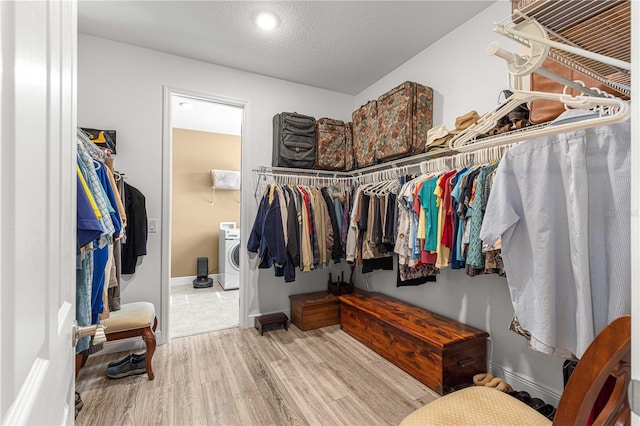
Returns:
(599, 26)
(400, 163)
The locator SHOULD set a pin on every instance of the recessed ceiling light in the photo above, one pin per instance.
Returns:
(266, 20)
(186, 105)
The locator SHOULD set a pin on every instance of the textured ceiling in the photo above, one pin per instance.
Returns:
(343, 46)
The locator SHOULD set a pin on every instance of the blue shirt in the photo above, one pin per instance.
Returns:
(561, 205)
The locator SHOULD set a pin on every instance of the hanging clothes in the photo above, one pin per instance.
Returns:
(296, 226)
(560, 206)
(136, 242)
(99, 225)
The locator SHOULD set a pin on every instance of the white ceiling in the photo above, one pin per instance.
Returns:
(205, 116)
(344, 46)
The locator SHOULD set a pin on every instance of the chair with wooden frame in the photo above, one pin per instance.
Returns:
(132, 320)
(607, 356)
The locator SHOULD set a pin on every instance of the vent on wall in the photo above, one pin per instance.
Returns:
(225, 179)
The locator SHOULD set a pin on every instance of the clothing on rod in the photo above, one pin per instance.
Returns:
(104, 216)
(297, 226)
(561, 207)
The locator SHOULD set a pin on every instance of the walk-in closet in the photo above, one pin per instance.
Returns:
(414, 212)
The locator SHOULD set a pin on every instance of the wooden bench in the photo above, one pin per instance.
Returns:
(314, 310)
(438, 351)
(132, 320)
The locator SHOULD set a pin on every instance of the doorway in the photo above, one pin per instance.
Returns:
(204, 199)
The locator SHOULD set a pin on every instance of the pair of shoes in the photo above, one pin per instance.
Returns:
(488, 380)
(135, 357)
(522, 396)
(127, 369)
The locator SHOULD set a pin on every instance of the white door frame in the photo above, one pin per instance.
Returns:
(166, 197)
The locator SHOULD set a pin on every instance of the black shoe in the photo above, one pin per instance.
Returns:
(79, 404)
(536, 403)
(524, 397)
(128, 369)
(135, 357)
(548, 411)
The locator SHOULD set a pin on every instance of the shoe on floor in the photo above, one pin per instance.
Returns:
(79, 404)
(128, 369)
(135, 357)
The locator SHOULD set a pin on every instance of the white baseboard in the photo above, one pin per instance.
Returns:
(521, 382)
(182, 280)
(135, 344)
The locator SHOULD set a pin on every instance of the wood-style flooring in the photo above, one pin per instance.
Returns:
(237, 377)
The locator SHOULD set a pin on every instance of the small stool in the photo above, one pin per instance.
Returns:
(277, 318)
(132, 320)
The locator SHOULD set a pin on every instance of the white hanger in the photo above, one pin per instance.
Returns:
(467, 140)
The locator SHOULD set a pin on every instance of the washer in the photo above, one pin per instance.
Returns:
(229, 253)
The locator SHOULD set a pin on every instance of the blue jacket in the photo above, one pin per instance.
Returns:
(267, 236)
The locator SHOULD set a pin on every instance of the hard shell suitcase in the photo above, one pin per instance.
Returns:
(334, 145)
(294, 140)
(405, 115)
(365, 134)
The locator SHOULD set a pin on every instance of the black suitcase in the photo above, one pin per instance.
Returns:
(294, 141)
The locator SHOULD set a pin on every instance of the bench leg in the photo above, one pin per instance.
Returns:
(149, 338)
(81, 360)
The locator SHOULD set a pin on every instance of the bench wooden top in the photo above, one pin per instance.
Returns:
(315, 298)
(436, 329)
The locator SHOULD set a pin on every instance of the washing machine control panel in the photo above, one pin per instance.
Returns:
(231, 234)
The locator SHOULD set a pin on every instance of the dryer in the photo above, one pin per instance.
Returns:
(229, 255)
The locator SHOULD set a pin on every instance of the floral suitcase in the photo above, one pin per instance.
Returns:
(405, 115)
(334, 150)
(365, 134)
(349, 158)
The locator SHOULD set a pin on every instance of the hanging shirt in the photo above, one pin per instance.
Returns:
(85, 162)
(443, 251)
(456, 194)
(474, 254)
(455, 254)
(352, 234)
(561, 205)
(428, 200)
(87, 223)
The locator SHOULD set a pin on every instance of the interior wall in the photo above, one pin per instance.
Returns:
(456, 67)
(463, 78)
(127, 95)
(196, 211)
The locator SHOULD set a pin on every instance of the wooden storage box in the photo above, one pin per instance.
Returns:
(438, 351)
(314, 310)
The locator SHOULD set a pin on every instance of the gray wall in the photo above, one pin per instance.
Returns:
(463, 78)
